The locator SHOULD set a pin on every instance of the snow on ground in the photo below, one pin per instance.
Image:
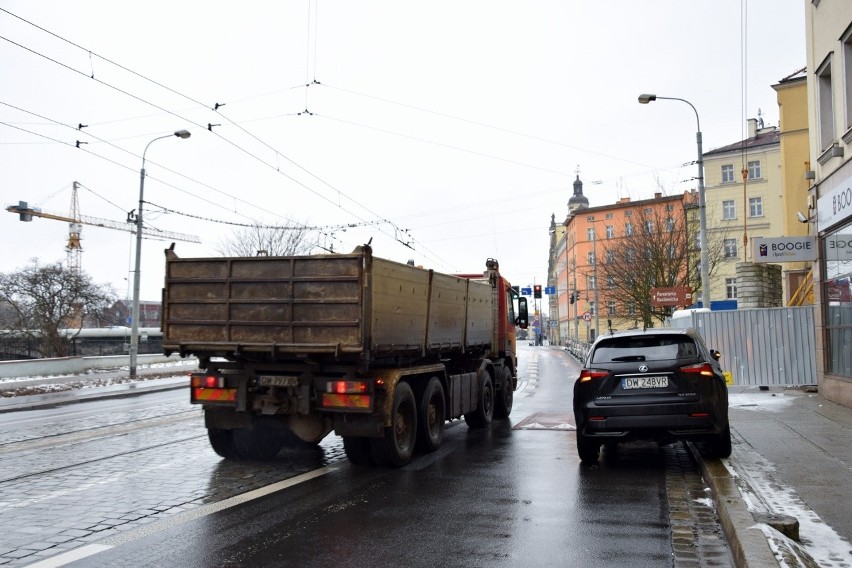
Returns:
(758, 483)
(761, 400)
(22, 386)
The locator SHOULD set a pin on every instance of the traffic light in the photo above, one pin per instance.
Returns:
(516, 292)
(571, 297)
(537, 291)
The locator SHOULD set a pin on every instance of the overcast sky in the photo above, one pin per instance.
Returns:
(447, 132)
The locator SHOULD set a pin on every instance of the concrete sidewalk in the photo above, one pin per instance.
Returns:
(785, 494)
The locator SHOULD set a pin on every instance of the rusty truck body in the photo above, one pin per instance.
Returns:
(382, 353)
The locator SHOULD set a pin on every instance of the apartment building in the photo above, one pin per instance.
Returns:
(828, 25)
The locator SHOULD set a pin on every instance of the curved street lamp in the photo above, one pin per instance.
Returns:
(702, 202)
(134, 324)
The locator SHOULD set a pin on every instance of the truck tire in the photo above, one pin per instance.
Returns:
(222, 443)
(396, 446)
(505, 393)
(481, 417)
(358, 450)
(432, 416)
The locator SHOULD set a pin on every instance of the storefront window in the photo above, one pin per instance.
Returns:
(837, 296)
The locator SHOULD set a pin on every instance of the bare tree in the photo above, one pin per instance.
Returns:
(267, 240)
(41, 300)
(661, 252)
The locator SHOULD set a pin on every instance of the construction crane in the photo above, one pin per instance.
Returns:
(75, 222)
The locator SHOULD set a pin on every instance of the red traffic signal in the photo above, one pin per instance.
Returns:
(537, 291)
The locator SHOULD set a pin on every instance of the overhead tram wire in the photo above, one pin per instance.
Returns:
(215, 109)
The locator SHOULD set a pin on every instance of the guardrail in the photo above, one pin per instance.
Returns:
(73, 365)
(579, 349)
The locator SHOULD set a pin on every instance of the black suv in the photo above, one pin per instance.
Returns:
(654, 384)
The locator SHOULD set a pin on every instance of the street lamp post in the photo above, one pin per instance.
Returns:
(134, 322)
(702, 202)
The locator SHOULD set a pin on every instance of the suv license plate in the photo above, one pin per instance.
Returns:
(644, 382)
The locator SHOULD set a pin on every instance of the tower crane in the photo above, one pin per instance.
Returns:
(75, 222)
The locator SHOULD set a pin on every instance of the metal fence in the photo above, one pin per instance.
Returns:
(761, 346)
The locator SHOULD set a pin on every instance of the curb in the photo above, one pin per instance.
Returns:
(76, 395)
(749, 546)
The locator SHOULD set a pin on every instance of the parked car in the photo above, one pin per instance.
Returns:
(655, 384)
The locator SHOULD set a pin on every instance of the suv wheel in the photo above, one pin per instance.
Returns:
(720, 447)
(588, 449)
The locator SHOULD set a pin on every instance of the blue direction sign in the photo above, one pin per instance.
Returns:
(550, 290)
(526, 291)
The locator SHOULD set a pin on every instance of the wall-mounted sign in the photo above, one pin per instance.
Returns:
(835, 198)
(838, 247)
(784, 249)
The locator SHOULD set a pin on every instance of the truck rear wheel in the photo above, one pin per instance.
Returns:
(358, 450)
(433, 414)
(481, 417)
(505, 393)
(222, 443)
(396, 447)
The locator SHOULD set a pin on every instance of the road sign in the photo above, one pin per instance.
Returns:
(678, 296)
(587, 316)
(526, 291)
(550, 290)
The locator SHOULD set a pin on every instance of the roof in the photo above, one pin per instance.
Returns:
(769, 137)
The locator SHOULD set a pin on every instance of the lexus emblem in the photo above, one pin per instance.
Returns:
(643, 368)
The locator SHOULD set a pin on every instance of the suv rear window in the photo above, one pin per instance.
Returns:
(644, 348)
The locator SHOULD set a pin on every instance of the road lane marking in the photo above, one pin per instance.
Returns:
(181, 518)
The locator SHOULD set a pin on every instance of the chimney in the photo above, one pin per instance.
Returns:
(657, 195)
(752, 127)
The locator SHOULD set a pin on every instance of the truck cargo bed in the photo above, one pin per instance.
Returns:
(339, 306)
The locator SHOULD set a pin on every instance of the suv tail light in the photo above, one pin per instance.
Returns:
(587, 375)
(703, 369)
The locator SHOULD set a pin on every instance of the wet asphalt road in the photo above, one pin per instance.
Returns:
(513, 495)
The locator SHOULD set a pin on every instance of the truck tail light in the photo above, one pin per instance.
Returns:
(207, 381)
(210, 388)
(703, 369)
(587, 375)
(346, 387)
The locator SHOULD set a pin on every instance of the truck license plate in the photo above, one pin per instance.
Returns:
(277, 381)
(645, 382)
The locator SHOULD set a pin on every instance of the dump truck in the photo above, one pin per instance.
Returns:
(382, 353)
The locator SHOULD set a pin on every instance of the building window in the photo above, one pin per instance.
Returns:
(608, 216)
(670, 225)
(728, 173)
(592, 283)
(631, 308)
(825, 104)
(593, 308)
(649, 227)
(730, 248)
(628, 229)
(590, 218)
(672, 252)
(610, 282)
(590, 233)
(610, 256)
(731, 288)
(591, 257)
(755, 207)
(630, 255)
(754, 170)
(610, 308)
(669, 207)
(837, 304)
(729, 211)
(628, 213)
(610, 232)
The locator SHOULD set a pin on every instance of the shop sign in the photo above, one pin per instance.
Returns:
(783, 249)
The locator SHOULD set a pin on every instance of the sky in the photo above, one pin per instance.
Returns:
(446, 132)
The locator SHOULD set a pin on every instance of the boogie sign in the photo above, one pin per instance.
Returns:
(784, 249)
